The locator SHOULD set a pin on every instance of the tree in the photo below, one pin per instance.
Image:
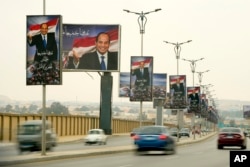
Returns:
(8, 108)
(56, 108)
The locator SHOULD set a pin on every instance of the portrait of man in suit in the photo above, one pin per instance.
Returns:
(178, 91)
(194, 98)
(101, 59)
(95, 47)
(43, 43)
(46, 47)
(141, 76)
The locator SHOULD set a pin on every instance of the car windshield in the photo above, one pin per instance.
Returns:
(230, 130)
(94, 132)
(29, 129)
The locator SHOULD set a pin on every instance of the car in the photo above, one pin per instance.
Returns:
(96, 136)
(184, 132)
(154, 138)
(29, 136)
(174, 132)
(231, 136)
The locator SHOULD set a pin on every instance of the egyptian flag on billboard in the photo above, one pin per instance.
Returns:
(177, 87)
(193, 98)
(43, 61)
(141, 77)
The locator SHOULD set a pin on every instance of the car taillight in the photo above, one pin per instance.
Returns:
(136, 137)
(163, 137)
(237, 136)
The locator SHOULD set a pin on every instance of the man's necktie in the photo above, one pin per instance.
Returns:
(44, 41)
(103, 66)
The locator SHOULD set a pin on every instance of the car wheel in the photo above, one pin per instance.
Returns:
(243, 147)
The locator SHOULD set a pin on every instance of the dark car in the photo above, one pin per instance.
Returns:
(231, 136)
(154, 138)
(184, 132)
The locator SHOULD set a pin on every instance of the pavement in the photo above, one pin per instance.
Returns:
(37, 157)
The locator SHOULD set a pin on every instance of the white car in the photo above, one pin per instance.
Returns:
(96, 136)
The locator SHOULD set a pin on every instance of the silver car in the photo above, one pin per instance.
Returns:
(29, 136)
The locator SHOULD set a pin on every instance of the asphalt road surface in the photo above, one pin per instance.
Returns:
(203, 154)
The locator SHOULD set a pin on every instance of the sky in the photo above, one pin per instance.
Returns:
(219, 30)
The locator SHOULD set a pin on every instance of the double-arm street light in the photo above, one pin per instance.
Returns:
(177, 50)
(200, 75)
(193, 65)
(142, 20)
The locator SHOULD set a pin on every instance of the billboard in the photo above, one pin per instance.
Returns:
(177, 88)
(141, 76)
(124, 87)
(193, 99)
(91, 47)
(246, 111)
(43, 50)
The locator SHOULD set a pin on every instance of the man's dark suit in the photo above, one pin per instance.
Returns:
(194, 98)
(141, 78)
(90, 61)
(50, 50)
(179, 88)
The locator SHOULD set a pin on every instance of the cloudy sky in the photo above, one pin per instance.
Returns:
(219, 30)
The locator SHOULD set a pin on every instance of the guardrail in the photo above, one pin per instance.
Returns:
(64, 125)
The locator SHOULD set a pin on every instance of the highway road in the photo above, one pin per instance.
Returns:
(203, 154)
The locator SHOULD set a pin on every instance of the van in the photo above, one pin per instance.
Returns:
(29, 136)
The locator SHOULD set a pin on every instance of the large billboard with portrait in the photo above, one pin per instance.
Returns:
(177, 89)
(91, 47)
(193, 99)
(246, 111)
(43, 48)
(141, 75)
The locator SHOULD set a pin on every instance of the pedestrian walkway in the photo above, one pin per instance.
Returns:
(36, 157)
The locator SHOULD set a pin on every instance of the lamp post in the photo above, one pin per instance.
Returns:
(200, 76)
(177, 50)
(193, 66)
(142, 20)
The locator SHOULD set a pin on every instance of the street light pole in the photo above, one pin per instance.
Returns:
(200, 76)
(177, 50)
(142, 20)
(193, 66)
